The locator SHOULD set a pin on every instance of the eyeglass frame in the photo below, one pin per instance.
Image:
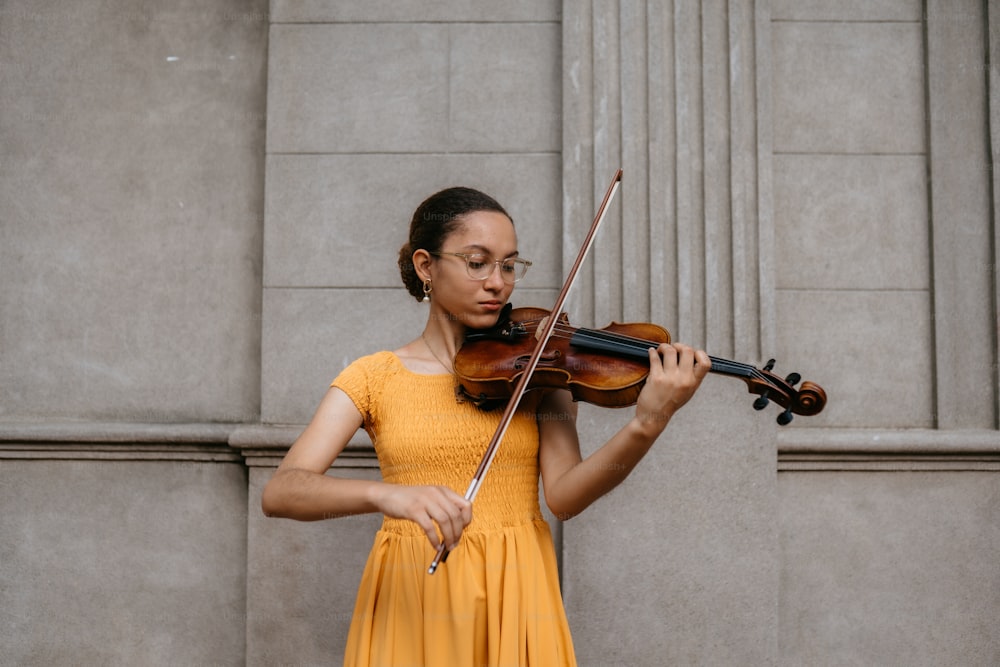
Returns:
(497, 264)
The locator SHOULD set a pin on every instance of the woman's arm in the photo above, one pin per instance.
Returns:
(301, 489)
(571, 483)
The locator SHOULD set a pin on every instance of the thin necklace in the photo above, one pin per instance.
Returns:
(446, 367)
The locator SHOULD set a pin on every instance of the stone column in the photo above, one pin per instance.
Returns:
(962, 230)
(679, 564)
(671, 94)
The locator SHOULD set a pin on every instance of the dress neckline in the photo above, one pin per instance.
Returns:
(416, 373)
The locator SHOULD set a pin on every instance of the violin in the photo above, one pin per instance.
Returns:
(605, 367)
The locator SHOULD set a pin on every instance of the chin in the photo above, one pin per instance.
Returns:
(482, 320)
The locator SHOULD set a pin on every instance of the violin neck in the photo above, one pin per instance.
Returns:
(638, 348)
(809, 400)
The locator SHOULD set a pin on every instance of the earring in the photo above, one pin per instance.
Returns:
(427, 290)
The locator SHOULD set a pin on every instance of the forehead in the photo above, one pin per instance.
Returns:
(485, 231)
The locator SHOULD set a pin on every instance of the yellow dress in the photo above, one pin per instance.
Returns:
(496, 600)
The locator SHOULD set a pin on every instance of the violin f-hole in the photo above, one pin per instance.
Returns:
(521, 362)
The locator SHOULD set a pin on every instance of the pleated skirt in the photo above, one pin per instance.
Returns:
(495, 602)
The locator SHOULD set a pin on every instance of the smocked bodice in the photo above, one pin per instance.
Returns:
(423, 435)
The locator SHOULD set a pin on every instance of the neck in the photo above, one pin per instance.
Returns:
(443, 340)
(443, 336)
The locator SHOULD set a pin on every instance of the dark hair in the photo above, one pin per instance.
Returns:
(437, 217)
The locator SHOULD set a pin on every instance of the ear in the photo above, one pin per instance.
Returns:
(422, 261)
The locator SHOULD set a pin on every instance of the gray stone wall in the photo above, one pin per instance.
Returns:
(200, 209)
(131, 219)
(882, 208)
(371, 108)
(132, 206)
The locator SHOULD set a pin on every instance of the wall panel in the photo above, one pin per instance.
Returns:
(130, 186)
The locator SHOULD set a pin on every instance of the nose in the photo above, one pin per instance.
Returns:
(495, 281)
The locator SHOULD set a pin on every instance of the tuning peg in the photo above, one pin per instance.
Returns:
(793, 379)
(761, 402)
(785, 417)
(769, 365)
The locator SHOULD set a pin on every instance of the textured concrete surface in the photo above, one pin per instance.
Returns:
(401, 87)
(964, 245)
(130, 184)
(889, 568)
(319, 11)
(302, 579)
(678, 565)
(330, 223)
(848, 87)
(122, 562)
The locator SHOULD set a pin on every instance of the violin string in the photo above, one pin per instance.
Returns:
(566, 332)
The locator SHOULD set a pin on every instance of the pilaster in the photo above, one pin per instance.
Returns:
(668, 91)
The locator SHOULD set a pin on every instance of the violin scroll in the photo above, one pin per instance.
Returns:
(809, 399)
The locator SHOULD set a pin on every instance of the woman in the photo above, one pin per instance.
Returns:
(496, 600)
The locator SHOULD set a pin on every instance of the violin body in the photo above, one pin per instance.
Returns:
(605, 367)
(492, 360)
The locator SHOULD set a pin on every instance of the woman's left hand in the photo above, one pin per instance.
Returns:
(675, 373)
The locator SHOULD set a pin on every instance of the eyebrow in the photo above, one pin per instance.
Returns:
(486, 251)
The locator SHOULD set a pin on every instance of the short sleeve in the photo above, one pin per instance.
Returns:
(362, 381)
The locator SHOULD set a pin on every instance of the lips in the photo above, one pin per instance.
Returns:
(491, 306)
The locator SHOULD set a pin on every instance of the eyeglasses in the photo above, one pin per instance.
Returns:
(480, 267)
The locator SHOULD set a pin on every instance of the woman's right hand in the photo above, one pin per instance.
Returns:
(433, 508)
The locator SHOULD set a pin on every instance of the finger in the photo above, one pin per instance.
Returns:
(444, 533)
(703, 363)
(452, 528)
(685, 356)
(426, 522)
(691, 359)
(462, 518)
(541, 327)
(655, 363)
(465, 510)
(668, 353)
(658, 357)
(454, 508)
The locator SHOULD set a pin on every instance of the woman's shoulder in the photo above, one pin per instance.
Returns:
(365, 377)
(378, 363)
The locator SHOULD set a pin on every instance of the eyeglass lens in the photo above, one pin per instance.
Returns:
(481, 267)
